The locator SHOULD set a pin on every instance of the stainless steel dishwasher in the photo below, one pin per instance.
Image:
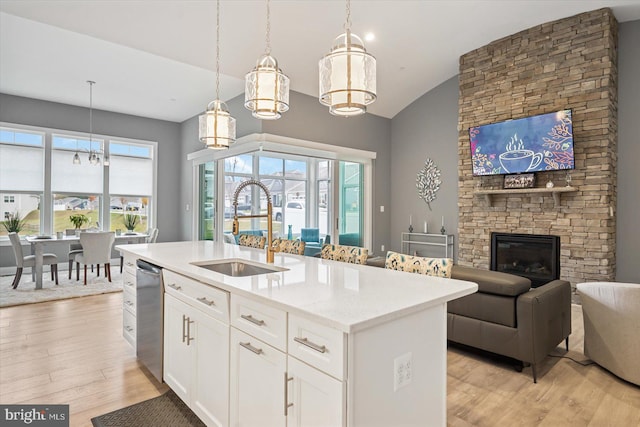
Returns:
(149, 316)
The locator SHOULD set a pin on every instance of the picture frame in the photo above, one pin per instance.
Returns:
(523, 180)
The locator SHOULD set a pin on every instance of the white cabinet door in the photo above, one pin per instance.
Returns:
(257, 382)
(178, 356)
(317, 399)
(210, 394)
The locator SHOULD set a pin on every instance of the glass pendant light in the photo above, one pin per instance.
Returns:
(266, 91)
(217, 127)
(347, 74)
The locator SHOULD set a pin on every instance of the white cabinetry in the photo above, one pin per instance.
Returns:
(196, 347)
(269, 387)
(129, 300)
(257, 382)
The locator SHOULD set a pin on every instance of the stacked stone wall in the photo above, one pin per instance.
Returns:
(565, 64)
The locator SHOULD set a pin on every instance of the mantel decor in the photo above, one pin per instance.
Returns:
(428, 182)
(523, 180)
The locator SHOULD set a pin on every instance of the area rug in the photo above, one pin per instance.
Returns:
(26, 292)
(167, 410)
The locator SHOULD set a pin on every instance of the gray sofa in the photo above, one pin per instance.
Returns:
(509, 318)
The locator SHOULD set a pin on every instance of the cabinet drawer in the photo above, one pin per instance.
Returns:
(130, 264)
(129, 327)
(129, 281)
(317, 345)
(266, 323)
(129, 301)
(209, 299)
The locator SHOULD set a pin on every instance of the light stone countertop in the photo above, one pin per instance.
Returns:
(344, 296)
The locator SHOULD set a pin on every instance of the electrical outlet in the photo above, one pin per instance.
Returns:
(381, 208)
(402, 371)
(382, 248)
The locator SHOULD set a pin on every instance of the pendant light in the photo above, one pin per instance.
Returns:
(217, 127)
(347, 74)
(94, 155)
(266, 91)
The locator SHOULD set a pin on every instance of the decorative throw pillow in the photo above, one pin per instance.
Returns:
(350, 254)
(438, 267)
(252, 241)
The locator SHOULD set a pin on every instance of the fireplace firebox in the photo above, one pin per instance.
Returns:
(534, 256)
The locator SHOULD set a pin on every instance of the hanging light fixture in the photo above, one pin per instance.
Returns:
(94, 155)
(217, 127)
(266, 91)
(347, 74)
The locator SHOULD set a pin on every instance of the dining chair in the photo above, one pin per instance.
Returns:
(96, 249)
(74, 249)
(30, 260)
(153, 235)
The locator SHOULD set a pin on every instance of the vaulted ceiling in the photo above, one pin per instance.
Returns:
(157, 58)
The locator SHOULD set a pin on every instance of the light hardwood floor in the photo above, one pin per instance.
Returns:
(72, 352)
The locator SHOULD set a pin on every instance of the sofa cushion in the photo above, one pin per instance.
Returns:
(487, 307)
(439, 267)
(493, 282)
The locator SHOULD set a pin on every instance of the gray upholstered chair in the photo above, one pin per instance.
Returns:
(23, 261)
(611, 314)
(153, 235)
(74, 249)
(96, 249)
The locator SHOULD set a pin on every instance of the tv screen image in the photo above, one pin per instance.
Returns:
(532, 144)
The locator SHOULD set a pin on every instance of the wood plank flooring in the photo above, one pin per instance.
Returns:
(72, 352)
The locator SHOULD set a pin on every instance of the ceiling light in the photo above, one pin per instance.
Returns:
(369, 37)
(347, 75)
(266, 91)
(217, 127)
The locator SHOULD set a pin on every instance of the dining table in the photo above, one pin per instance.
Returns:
(39, 242)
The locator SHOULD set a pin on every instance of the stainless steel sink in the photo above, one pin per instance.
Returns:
(237, 268)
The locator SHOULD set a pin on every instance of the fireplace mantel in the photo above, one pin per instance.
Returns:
(554, 191)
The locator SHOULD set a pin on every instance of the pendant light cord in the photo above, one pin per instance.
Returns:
(91, 83)
(217, 49)
(347, 24)
(268, 35)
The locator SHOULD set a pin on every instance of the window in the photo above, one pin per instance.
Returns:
(305, 182)
(102, 193)
(21, 176)
(206, 204)
(130, 183)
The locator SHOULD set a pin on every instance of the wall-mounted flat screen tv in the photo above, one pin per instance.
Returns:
(532, 144)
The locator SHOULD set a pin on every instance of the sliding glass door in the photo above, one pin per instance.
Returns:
(350, 207)
(206, 199)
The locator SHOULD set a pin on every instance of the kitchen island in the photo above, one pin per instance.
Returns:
(307, 342)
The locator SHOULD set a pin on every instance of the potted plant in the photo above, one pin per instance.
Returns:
(130, 221)
(14, 223)
(78, 220)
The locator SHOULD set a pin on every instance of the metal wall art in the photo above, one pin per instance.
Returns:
(428, 182)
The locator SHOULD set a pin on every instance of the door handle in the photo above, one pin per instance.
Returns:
(184, 336)
(189, 322)
(287, 405)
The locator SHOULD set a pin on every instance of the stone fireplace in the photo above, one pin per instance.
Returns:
(565, 64)
(536, 257)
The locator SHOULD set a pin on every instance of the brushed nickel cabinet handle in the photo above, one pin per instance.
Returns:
(311, 345)
(174, 286)
(129, 303)
(287, 405)
(128, 328)
(189, 338)
(184, 336)
(204, 300)
(252, 319)
(128, 283)
(249, 347)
